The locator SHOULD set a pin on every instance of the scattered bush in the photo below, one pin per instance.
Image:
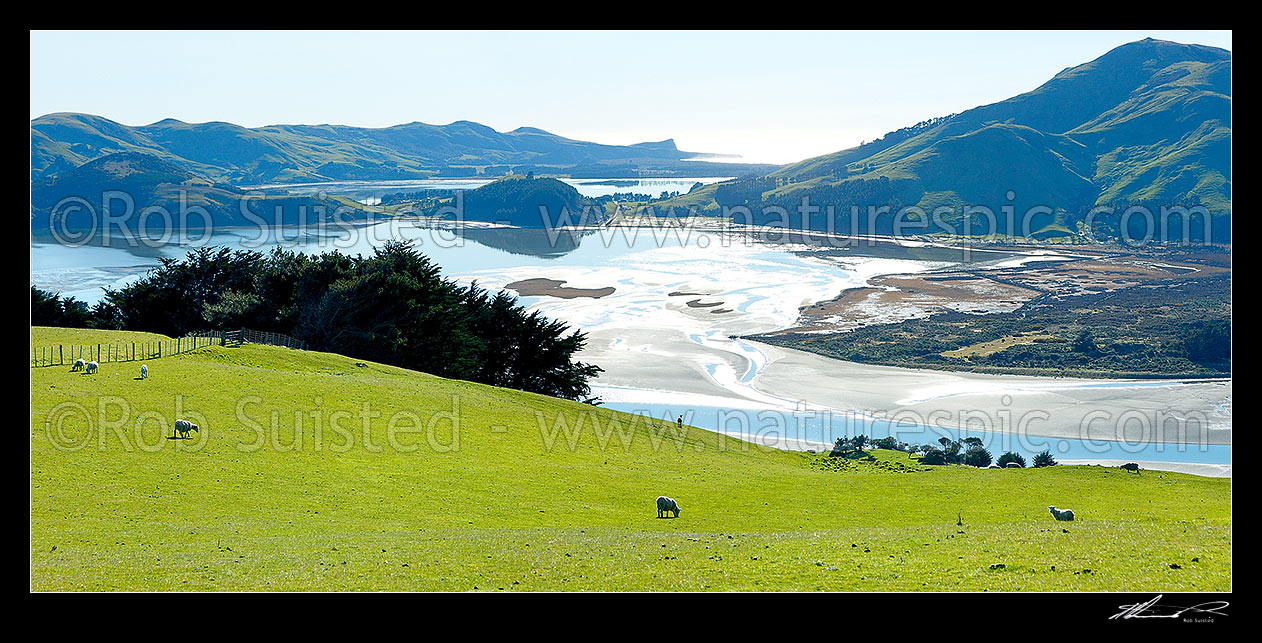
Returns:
(1010, 457)
(1044, 459)
(934, 456)
(977, 457)
(393, 307)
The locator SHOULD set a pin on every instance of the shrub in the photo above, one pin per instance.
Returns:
(933, 456)
(840, 447)
(1085, 343)
(889, 442)
(1044, 459)
(977, 457)
(1010, 457)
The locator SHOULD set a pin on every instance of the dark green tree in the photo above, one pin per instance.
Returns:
(977, 457)
(393, 307)
(1010, 457)
(1044, 459)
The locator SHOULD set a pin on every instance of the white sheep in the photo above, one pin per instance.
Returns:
(144, 371)
(78, 365)
(665, 504)
(182, 427)
(91, 367)
(1061, 514)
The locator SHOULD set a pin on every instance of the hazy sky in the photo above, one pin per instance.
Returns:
(770, 96)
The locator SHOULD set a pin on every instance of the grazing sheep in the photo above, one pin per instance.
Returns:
(144, 371)
(1131, 466)
(91, 367)
(1061, 514)
(182, 427)
(665, 504)
(78, 365)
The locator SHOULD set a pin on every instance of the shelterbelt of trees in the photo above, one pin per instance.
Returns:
(393, 307)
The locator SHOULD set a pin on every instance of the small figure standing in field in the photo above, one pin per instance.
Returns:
(665, 505)
(1061, 514)
(144, 371)
(1133, 467)
(182, 428)
(680, 422)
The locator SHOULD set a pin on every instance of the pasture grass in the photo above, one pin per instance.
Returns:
(312, 472)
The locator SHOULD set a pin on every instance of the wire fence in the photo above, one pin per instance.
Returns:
(68, 354)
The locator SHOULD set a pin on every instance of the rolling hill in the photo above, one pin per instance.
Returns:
(1148, 123)
(238, 155)
(123, 185)
(523, 202)
(315, 471)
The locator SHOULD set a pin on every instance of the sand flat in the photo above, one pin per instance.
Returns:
(539, 286)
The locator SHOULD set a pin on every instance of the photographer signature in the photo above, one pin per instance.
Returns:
(1152, 610)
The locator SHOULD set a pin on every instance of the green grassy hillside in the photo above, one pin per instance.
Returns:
(312, 471)
(1147, 123)
(298, 153)
(151, 182)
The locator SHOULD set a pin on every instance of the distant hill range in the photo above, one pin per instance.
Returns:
(125, 185)
(1148, 123)
(237, 155)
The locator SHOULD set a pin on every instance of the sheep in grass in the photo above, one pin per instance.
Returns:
(1061, 514)
(665, 505)
(1133, 467)
(144, 371)
(90, 367)
(183, 427)
(78, 365)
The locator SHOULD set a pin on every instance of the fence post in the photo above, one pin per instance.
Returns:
(60, 360)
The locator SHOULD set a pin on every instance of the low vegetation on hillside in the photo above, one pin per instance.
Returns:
(313, 471)
(392, 307)
(1172, 329)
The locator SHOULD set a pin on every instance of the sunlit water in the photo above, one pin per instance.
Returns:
(371, 192)
(761, 286)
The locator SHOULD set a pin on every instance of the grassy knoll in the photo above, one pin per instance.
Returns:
(49, 336)
(320, 502)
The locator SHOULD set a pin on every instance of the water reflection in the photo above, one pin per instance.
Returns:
(533, 242)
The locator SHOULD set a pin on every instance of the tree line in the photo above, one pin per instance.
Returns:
(393, 307)
(970, 451)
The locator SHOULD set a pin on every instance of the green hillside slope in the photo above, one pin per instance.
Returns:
(1147, 123)
(313, 471)
(298, 153)
(126, 184)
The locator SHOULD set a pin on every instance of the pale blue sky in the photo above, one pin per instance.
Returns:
(770, 96)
